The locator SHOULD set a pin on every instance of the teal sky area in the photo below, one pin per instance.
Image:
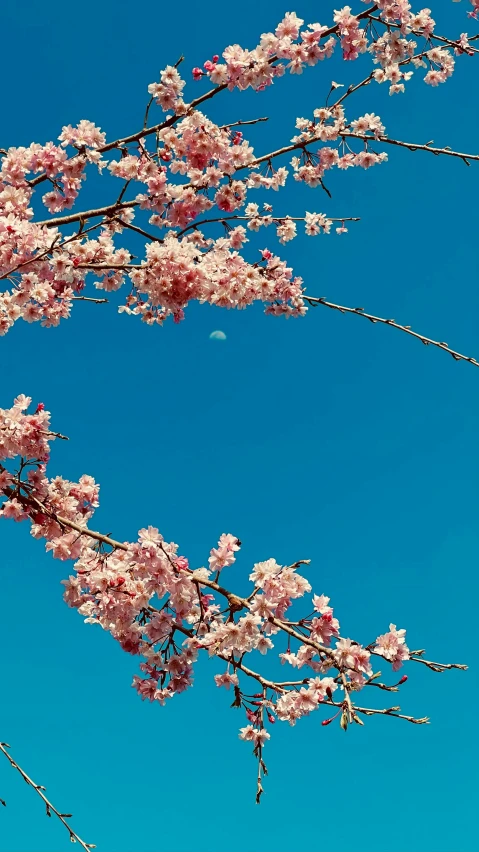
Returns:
(324, 438)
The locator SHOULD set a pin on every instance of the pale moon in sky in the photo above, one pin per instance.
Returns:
(217, 335)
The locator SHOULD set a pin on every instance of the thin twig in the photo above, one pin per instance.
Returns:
(411, 146)
(89, 299)
(50, 809)
(243, 123)
(359, 312)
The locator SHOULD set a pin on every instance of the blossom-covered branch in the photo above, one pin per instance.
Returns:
(165, 612)
(186, 171)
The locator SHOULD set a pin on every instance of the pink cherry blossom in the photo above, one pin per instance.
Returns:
(193, 190)
(392, 646)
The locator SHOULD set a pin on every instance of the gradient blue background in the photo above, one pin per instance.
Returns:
(323, 438)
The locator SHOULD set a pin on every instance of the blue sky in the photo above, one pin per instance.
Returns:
(323, 438)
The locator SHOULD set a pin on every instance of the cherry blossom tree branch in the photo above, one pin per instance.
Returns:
(391, 711)
(116, 587)
(411, 146)
(236, 602)
(359, 312)
(276, 219)
(89, 299)
(141, 134)
(50, 808)
(243, 123)
(282, 687)
(437, 667)
(314, 302)
(433, 36)
(111, 209)
(107, 210)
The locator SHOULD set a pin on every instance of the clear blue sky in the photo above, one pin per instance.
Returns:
(323, 438)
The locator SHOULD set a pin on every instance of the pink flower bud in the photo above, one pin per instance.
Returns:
(215, 58)
(403, 680)
(40, 407)
(327, 721)
(209, 66)
(271, 719)
(197, 73)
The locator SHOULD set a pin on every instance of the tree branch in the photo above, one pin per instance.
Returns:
(50, 809)
(359, 312)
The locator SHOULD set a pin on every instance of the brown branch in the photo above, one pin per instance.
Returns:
(139, 231)
(87, 214)
(74, 837)
(124, 266)
(148, 131)
(407, 329)
(89, 299)
(391, 711)
(242, 123)
(261, 216)
(56, 435)
(237, 603)
(442, 39)
(437, 667)
(411, 146)
(55, 246)
(30, 500)
(135, 137)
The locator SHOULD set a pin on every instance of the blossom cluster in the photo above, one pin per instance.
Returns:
(188, 172)
(164, 612)
(291, 48)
